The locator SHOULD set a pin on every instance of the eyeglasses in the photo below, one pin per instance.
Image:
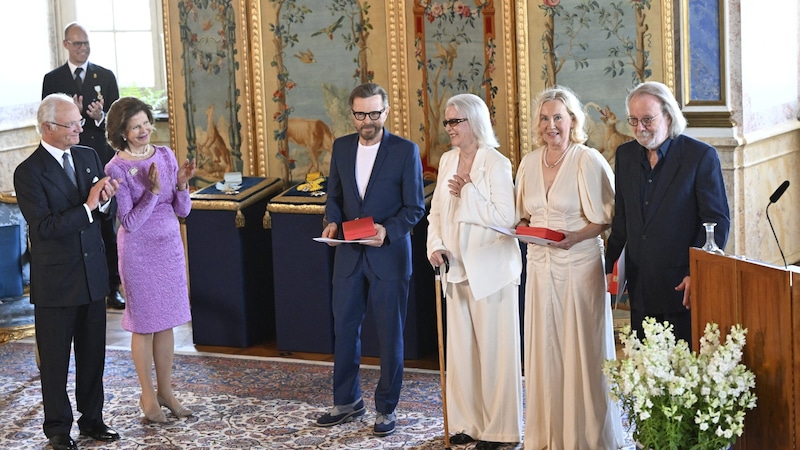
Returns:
(70, 125)
(646, 121)
(79, 44)
(453, 122)
(374, 115)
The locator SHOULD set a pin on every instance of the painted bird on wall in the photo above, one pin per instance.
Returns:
(306, 57)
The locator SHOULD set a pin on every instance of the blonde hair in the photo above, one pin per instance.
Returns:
(565, 95)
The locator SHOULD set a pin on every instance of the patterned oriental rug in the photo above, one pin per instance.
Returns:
(239, 403)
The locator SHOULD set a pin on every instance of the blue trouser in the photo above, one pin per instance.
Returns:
(389, 299)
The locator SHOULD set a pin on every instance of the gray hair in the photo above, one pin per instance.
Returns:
(669, 106)
(565, 95)
(47, 109)
(477, 114)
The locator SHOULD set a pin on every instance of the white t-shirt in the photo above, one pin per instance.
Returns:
(365, 160)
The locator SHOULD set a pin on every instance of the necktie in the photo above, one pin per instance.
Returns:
(78, 80)
(69, 169)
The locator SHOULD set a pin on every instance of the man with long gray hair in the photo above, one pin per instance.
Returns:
(667, 185)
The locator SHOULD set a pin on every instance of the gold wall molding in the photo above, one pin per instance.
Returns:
(709, 119)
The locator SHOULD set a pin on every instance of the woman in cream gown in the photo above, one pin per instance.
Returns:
(569, 187)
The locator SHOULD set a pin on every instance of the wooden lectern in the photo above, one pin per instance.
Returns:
(730, 290)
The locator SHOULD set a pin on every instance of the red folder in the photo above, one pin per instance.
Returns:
(544, 233)
(358, 229)
(613, 286)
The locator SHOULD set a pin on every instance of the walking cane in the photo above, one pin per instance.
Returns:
(439, 326)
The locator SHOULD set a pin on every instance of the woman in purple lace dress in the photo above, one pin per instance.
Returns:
(153, 193)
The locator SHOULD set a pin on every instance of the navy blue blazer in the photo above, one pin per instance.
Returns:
(68, 262)
(394, 198)
(690, 191)
(61, 80)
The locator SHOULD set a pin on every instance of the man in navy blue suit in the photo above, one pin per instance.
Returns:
(667, 186)
(63, 193)
(379, 175)
(93, 89)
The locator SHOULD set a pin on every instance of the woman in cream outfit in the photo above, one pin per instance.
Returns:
(567, 186)
(475, 190)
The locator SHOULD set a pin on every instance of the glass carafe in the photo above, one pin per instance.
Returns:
(711, 245)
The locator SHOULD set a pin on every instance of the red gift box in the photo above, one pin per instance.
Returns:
(544, 233)
(360, 228)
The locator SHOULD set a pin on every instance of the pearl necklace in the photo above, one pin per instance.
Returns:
(138, 155)
(544, 158)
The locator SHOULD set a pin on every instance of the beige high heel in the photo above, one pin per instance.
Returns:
(157, 417)
(178, 410)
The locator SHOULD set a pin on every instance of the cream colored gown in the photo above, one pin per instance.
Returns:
(568, 330)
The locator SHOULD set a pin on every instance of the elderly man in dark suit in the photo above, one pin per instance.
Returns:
(93, 89)
(379, 175)
(667, 186)
(63, 194)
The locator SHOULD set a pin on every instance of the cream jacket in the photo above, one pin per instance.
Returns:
(485, 258)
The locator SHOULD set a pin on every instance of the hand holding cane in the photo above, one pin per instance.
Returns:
(439, 326)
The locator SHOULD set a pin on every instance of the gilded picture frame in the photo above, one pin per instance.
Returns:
(598, 51)
(459, 47)
(307, 58)
(208, 79)
(704, 70)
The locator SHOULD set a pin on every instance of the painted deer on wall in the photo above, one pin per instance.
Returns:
(214, 147)
(312, 134)
(613, 138)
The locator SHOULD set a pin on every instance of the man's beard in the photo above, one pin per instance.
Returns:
(647, 139)
(368, 132)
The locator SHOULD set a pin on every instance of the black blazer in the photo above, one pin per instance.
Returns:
(68, 262)
(61, 80)
(690, 191)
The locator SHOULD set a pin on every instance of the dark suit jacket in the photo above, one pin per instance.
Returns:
(394, 198)
(690, 191)
(68, 263)
(61, 80)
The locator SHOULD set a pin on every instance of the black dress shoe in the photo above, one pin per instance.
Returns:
(486, 445)
(100, 433)
(461, 439)
(63, 442)
(115, 300)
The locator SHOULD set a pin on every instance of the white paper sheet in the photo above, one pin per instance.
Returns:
(622, 281)
(341, 241)
(524, 237)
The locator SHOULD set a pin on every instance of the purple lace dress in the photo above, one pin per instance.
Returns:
(151, 255)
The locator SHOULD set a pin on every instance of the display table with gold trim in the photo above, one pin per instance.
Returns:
(16, 311)
(303, 272)
(302, 269)
(230, 264)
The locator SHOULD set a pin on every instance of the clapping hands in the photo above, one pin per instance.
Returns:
(185, 173)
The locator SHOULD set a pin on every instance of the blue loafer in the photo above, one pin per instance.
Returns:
(341, 414)
(384, 424)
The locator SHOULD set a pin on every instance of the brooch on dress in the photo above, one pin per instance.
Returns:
(133, 171)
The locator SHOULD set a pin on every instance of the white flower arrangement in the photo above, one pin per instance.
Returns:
(676, 399)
